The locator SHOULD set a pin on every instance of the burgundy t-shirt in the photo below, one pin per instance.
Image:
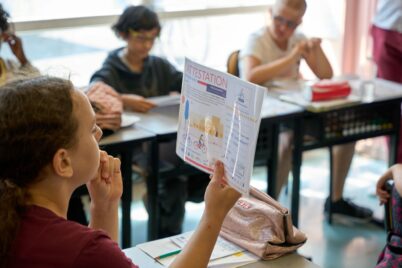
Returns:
(47, 240)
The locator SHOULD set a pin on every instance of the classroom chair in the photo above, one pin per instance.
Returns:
(232, 63)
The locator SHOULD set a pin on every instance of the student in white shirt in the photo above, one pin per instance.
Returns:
(275, 52)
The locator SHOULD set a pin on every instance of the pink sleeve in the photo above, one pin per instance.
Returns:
(101, 251)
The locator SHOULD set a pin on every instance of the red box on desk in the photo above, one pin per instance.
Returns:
(327, 90)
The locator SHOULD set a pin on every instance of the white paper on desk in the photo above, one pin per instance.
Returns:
(129, 119)
(232, 261)
(167, 100)
(273, 106)
(221, 249)
(219, 119)
(286, 86)
(235, 260)
(159, 247)
(225, 253)
(166, 261)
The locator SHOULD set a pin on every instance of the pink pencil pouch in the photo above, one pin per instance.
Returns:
(261, 225)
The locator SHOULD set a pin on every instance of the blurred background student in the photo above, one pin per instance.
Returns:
(387, 39)
(387, 49)
(131, 70)
(10, 68)
(274, 53)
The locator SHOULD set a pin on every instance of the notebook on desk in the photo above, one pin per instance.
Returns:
(225, 253)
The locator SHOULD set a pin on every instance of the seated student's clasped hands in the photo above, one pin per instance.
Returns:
(305, 48)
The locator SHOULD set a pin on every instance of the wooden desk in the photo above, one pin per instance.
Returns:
(377, 116)
(122, 143)
(292, 260)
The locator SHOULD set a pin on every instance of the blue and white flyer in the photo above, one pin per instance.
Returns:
(219, 119)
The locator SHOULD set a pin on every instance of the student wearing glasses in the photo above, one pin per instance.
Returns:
(274, 53)
(131, 70)
(136, 75)
(9, 68)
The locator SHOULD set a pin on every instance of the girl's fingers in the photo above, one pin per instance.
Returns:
(218, 172)
(103, 156)
(117, 165)
(224, 181)
(383, 200)
(111, 168)
(383, 179)
(108, 169)
(104, 164)
(105, 169)
(380, 196)
(382, 193)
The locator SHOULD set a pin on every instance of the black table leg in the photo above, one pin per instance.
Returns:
(331, 183)
(272, 163)
(152, 188)
(126, 161)
(297, 161)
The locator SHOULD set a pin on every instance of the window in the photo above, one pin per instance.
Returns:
(61, 39)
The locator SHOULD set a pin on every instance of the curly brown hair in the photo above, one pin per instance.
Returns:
(36, 119)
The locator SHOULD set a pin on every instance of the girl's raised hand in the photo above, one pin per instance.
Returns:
(219, 197)
(15, 44)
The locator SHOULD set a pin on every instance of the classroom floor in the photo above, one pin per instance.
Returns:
(342, 244)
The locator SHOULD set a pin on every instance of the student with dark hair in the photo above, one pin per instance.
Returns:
(11, 69)
(48, 148)
(136, 75)
(131, 70)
